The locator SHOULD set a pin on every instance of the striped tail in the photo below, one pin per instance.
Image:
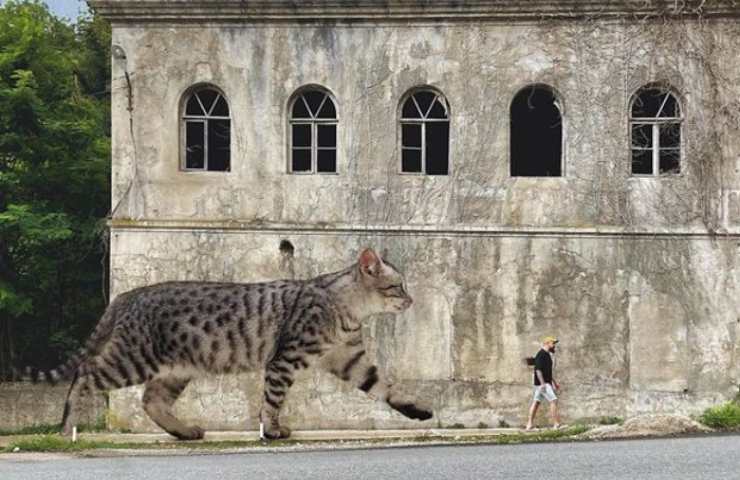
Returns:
(61, 373)
(66, 371)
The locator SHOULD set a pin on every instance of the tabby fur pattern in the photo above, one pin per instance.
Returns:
(165, 335)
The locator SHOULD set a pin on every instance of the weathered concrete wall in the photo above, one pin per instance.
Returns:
(646, 325)
(25, 405)
(649, 323)
(596, 68)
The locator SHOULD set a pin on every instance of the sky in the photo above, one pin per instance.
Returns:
(66, 8)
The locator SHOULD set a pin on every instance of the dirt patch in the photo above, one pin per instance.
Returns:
(648, 425)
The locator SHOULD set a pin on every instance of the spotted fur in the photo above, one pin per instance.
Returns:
(165, 335)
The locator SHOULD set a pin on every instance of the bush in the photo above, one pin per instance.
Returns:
(723, 417)
(611, 421)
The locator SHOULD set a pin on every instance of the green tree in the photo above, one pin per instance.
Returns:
(54, 181)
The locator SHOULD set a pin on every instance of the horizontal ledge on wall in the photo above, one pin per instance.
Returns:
(119, 225)
(205, 11)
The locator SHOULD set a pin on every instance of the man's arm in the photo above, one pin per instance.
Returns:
(539, 365)
(540, 377)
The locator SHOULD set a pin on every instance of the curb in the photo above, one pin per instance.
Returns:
(308, 435)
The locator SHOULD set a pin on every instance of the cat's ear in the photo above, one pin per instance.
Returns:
(370, 263)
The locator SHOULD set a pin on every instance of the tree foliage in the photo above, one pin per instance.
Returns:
(54, 180)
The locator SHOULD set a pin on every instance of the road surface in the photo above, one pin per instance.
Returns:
(716, 457)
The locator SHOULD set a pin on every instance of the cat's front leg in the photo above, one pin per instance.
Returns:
(349, 362)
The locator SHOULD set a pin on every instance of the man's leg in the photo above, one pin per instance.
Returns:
(554, 413)
(532, 413)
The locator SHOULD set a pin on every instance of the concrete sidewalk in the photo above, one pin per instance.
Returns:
(311, 435)
(301, 435)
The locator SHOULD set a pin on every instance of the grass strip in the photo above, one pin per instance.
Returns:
(47, 429)
(722, 417)
(56, 443)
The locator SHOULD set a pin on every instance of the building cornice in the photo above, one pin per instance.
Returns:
(359, 11)
(246, 227)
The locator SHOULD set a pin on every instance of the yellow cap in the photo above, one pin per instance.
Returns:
(550, 339)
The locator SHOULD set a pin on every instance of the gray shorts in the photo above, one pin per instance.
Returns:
(544, 392)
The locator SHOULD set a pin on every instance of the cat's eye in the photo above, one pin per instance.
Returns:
(395, 290)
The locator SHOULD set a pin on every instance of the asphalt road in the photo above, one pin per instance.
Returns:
(685, 459)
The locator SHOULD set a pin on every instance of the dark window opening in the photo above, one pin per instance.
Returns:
(655, 131)
(207, 132)
(536, 133)
(313, 133)
(425, 134)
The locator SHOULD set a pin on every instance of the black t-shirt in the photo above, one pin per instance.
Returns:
(543, 363)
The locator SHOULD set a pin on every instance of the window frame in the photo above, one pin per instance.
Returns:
(186, 118)
(314, 123)
(655, 124)
(422, 121)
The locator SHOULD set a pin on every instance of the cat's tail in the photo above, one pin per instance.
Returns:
(67, 370)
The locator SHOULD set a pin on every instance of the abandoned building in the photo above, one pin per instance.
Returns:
(535, 168)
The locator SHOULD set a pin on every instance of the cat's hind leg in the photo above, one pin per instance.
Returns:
(91, 377)
(160, 395)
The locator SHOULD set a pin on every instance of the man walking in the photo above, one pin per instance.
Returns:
(545, 385)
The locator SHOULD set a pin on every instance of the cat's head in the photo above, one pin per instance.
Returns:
(387, 293)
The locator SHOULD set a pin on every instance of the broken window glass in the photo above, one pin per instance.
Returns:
(425, 134)
(536, 133)
(195, 144)
(670, 135)
(655, 131)
(642, 135)
(207, 131)
(655, 102)
(313, 133)
(642, 162)
(670, 160)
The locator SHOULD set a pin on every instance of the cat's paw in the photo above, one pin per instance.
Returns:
(412, 411)
(276, 434)
(189, 433)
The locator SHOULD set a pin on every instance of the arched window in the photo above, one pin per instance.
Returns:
(425, 133)
(313, 132)
(536, 133)
(206, 131)
(655, 126)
